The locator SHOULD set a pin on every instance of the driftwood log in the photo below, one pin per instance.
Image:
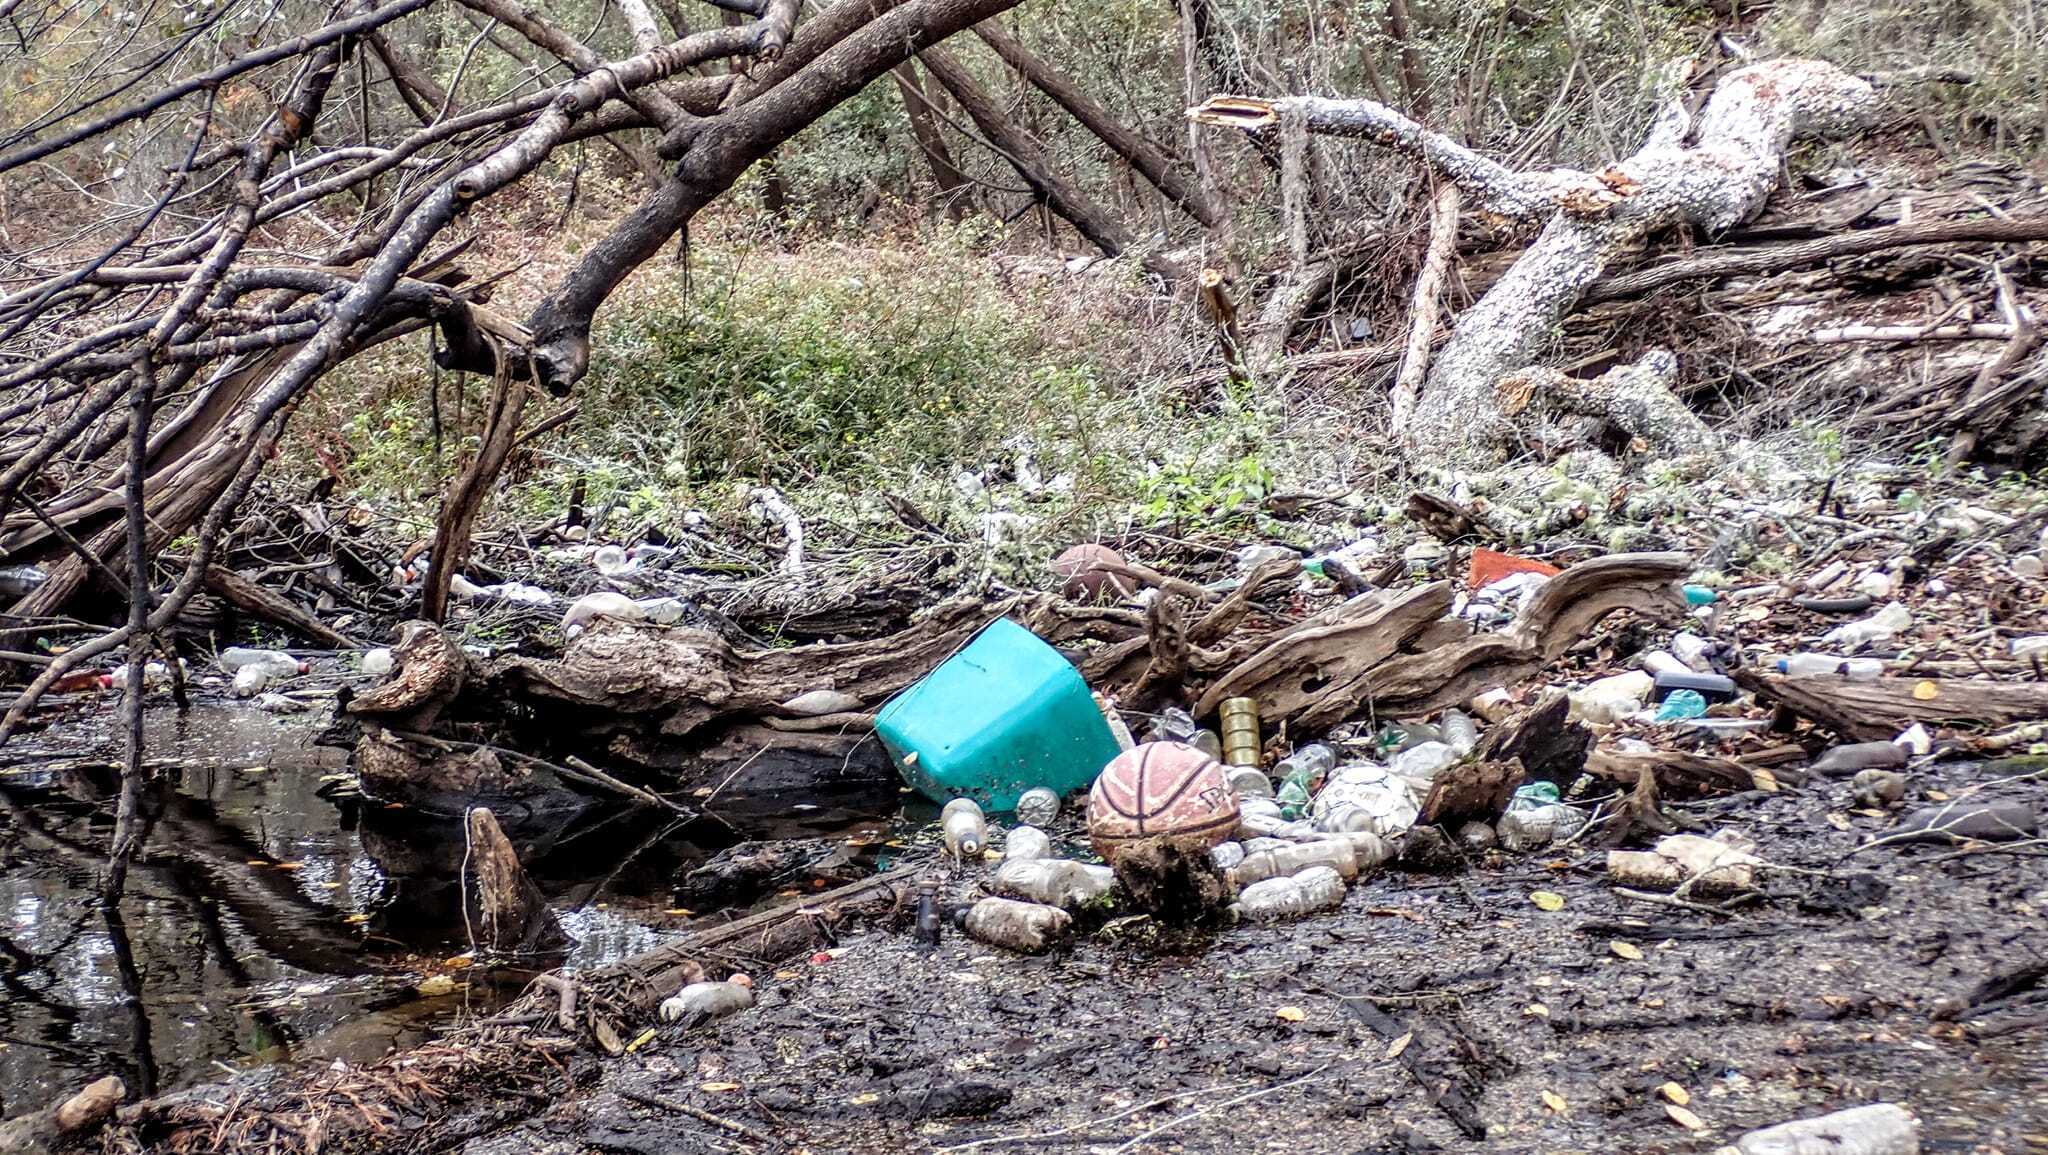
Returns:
(1321, 674)
(66, 1123)
(1869, 711)
(503, 911)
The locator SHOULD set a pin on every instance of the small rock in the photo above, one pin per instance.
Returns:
(2028, 565)
(1983, 822)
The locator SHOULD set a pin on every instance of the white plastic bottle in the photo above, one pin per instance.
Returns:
(1060, 882)
(1334, 853)
(1314, 889)
(965, 830)
(710, 1000)
(1828, 666)
(1026, 843)
(1459, 732)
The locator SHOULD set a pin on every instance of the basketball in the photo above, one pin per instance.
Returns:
(1080, 568)
(1160, 789)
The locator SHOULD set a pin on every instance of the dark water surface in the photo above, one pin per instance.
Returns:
(275, 914)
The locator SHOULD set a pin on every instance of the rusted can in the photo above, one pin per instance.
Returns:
(1240, 724)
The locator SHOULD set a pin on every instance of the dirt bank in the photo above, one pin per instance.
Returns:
(1833, 993)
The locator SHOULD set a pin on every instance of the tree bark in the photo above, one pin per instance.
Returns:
(1714, 183)
(1422, 311)
(931, 141)
(1152, 162)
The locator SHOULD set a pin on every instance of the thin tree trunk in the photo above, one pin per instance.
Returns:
(1097, 224)
(466, 497)
(924, 128)
(131, 828)
(1151, 161)
(1413, 86)
(1195, 89)
(1422, 313)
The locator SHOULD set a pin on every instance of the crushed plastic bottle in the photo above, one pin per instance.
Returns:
(377, 662)
(1886, 623)
(1829, 666)
(1612, 699)
(1250, 782)
(1025, 843)
(1460, 734)
(1535, 818)
(21, 580)
(664, 611)
(1038, 806)
(1258, 816)
(611, 561)
(1301, 774)
(235, 659)
(1693, 650)
(1118, 728)
(1059, 882)
(1362, 796)
(1680, 705)
(963, 827)
(1316, 889)
(603, 603)
(1423, 762)
(707, 1001)
(1021, 926)
(1335, 853)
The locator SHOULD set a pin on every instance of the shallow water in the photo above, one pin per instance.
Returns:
(274, 914)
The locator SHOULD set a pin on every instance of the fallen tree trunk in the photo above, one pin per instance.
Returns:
(1710, 175)
(1869, 711)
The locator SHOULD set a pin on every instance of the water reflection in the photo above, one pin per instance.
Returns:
(273, 914)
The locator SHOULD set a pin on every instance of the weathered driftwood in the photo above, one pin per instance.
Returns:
(66, 1123)
(682, 679)
(1868, 711)
(252, 598)
(1543, 738)
(1676, 773)
(1397, 658)
(504, 912)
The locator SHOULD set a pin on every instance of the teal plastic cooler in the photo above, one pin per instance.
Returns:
(1003, 715)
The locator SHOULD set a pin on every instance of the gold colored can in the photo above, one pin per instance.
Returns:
(1240, 725)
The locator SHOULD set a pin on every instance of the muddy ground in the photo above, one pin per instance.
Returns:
(1839, 990)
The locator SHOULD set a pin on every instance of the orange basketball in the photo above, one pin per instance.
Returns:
(1160, 789)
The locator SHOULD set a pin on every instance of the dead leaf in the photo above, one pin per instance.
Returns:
(718, 1086)
(1763, 780)
(1537, 1010)
(1555, 1102)
(1684, 1118)
(607, 1036)
(1291, 1014)
(1395, 1048)
(434, 986)
(1839, 821)
(1675, 1093)
(1926, 691)
(642, 1040)
(863, 1099)
(1547, 900)
(1937, 795)
(1627, 950)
